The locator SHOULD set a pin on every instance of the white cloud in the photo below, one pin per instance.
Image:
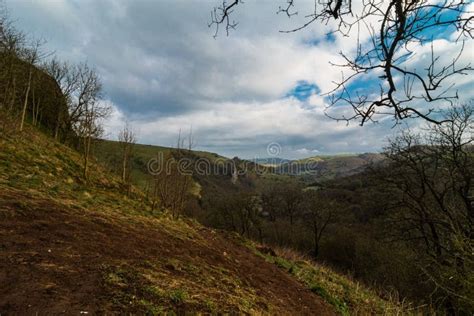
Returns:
(306, 151)
(163, 71)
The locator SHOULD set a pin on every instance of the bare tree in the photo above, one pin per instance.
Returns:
(291, 200)
(319, 213)
(12, 43)
(383, 59)
(31, 55)
(430, 178)
(86, 111)
(271, 202)
(239, 212)
(127, 138)
(67, 77)
(173, 183)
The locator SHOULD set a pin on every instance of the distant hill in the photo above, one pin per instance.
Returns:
(313, 169)
(270, 161)
(323, 167)
(330, 167)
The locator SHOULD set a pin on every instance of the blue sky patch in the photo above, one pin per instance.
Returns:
(328, 38)
(303, 91)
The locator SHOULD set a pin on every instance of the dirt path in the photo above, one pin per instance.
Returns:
(52, 259)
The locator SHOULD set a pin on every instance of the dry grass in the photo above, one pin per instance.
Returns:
(347, 295)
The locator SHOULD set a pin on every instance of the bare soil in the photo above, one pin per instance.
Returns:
(53, 258)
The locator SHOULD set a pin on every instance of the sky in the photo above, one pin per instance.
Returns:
(163, 71)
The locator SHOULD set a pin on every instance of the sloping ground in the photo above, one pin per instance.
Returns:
(67, 246)
(57, 258)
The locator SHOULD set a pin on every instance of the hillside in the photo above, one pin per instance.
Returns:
(71, 246)
(47, 106)
(328, 167)
(108, 152)
(313, 169)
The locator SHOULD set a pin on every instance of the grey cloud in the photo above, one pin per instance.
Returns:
(163, 70)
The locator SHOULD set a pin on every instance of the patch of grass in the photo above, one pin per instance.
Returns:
(178, 296)
(340, 306)
(211, 306)
(348, 297)
(150, 308)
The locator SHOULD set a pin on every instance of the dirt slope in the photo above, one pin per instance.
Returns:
(68, 246)
(56, 259)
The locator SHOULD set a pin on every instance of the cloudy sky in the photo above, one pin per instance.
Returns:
(163, 71)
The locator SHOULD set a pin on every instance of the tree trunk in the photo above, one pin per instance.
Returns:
(124, 166)
(316, 240)
(87, 146)
(25, 104)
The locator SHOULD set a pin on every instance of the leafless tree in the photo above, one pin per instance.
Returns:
(319, 212)
(67, 77)
(430, 178)
(31, 55)
(87, 112)
(384, 59)
(127, 139)
(12, 43)
(291, 200)
(172, 185)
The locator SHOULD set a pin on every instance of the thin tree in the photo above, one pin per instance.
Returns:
(12, 43)
(67, 77)
(127, 138)
(319, 213)
(31, 55)
(173, 183)
(87, 112)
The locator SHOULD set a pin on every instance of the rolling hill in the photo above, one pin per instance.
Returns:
(313, 169)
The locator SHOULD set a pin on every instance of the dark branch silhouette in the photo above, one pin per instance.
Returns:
(383, 60)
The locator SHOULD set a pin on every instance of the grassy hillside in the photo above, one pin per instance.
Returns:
(71, 246)
(46, 102)
(109, 153)
(336, 166)
(314, 169)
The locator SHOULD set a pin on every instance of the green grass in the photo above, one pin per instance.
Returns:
(109, 153)
(178, 296)
(347, 296)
